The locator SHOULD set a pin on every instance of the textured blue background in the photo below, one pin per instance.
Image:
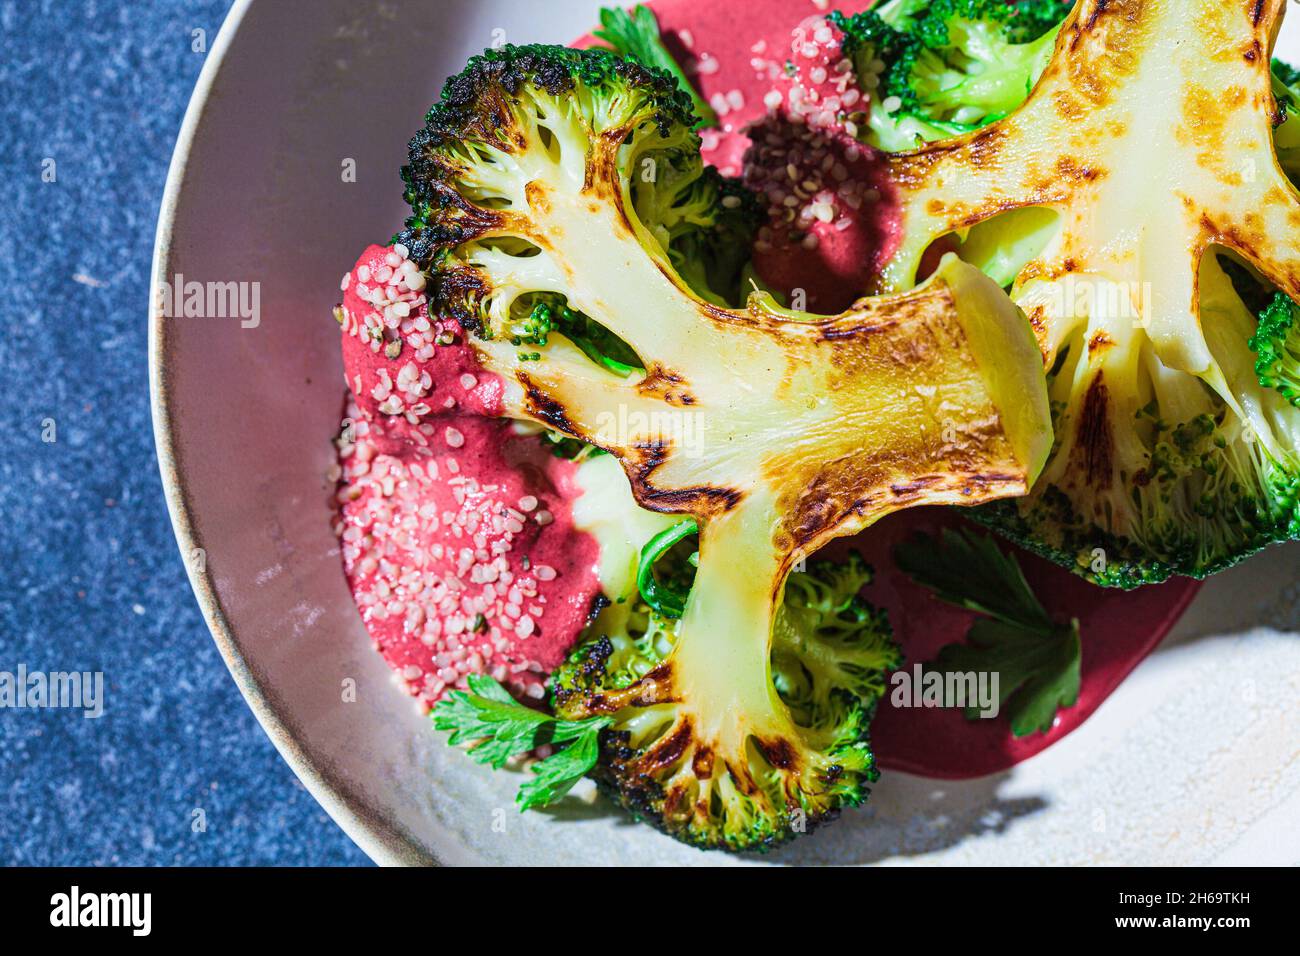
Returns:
(90, 577)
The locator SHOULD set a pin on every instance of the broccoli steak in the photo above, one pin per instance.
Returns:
(541, 189)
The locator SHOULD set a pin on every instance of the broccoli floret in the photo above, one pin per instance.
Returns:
(1276, 344)
(949, 66)
(550, 314)
(710, 247)
(1029, 20)
(701, 220)
(1209, 480)
(830, 646)
(831, 653)
(530, 182)
(1286, 136)
(1177, 447)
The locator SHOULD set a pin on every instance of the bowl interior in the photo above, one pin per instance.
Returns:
(286, 168)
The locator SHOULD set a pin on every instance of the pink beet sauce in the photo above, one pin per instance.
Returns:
(440, 503)
(456, 531)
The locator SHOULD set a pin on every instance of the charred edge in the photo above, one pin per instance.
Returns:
(741, 777)
(1257, 13)
(448, 220)
(458, 292)
(1246, 242)
(980, 148)
(675, 803)
(915, 487)
(1100, 341)
(778, 753)
(1099, 10)
(653, 688)
(818, 508)
(702, 763)
(1276, 111)
(993, 479)
(702, 500)
(1038, 319)
(665, 384)
(997, 207)
(544, 408)
(600, 177)
(668, 750)
(1094, 434)
(835, 331)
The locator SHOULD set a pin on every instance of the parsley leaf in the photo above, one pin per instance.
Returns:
(1036, 658)
(498, 727)
(635, 34)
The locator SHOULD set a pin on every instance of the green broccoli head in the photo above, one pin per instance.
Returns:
(1210, 474)
(1029, 20)
(1276, 344)
(946, 67)
(1177, 446)
(520, 115)
(831, 649)
(830, 654)
(709, 236)
(1286, 135)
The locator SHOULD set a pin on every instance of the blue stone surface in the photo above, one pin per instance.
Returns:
(90, 577)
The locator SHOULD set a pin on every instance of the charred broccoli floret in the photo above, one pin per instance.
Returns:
(757, 423)
(700, 220)
(1112, 210)
(939, 68)
(831, 652)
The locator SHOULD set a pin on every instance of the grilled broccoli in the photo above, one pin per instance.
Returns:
(773, 431)
(830, 654)
(1119, 212)
(1286, 136)
(938, 68)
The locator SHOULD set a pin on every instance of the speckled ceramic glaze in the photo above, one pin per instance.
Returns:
(1195, 759)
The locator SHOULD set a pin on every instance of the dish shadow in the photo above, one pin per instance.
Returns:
(907, 816)
(1263, 591)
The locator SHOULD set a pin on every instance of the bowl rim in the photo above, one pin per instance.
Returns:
(383, 841)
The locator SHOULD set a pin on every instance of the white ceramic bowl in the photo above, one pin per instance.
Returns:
(1194, 760)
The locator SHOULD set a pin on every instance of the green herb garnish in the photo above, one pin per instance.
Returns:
(1037, 659)
(635, 33)
(498, 727)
